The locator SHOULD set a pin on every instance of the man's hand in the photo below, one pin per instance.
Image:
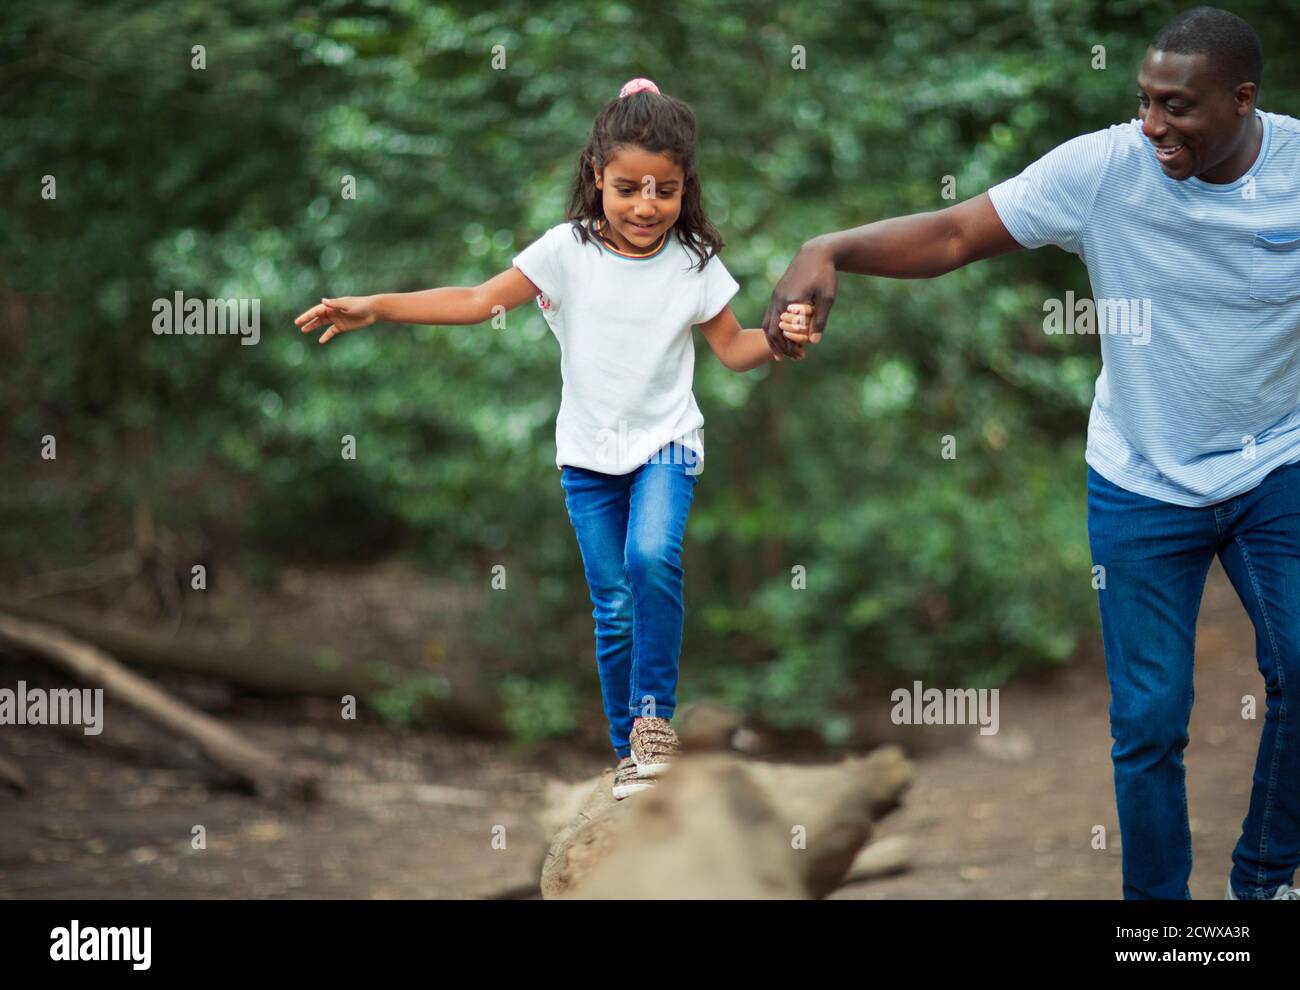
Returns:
(810, 280)
(922, 245)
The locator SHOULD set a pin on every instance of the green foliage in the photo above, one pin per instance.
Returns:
(406, 701)
(226, 182)
(537, 709)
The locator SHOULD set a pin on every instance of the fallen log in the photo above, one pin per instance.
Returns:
(267, 774)
(281, 669)
(883, 858)
(722, 827)
(11, 775)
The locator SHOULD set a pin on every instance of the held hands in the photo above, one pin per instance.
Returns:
(809, 281)
(795, 323)
(345, 313)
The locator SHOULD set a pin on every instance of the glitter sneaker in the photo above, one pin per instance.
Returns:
(626, 780)
(654, 746)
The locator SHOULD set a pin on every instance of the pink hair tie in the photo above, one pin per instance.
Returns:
(636, 86)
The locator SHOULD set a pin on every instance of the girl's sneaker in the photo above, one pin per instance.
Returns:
(626, 780)
(654, 746)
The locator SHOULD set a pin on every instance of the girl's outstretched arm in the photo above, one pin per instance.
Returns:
(741, 350)
(448, 306)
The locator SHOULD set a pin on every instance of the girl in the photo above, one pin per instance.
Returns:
(620, 282)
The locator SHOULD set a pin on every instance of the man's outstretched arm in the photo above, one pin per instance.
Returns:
(919, 246)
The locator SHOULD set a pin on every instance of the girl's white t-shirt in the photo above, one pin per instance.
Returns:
(627, 359)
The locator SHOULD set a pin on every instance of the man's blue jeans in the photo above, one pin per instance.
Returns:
(1156, 558)
(630, 529)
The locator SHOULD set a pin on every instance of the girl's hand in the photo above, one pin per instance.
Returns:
(345, 312)
(796, 350)
(795, 324)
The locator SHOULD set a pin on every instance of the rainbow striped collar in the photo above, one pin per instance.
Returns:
(606, 246)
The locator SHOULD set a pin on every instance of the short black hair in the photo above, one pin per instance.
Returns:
(1234, 50)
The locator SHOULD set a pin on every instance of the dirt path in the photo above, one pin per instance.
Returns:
(1015, 820)
(426, 815)
(418, 819)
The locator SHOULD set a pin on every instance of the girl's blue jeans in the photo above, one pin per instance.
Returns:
(1156, 558)
(630, 529)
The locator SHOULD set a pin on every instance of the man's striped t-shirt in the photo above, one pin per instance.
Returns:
(1196, 290)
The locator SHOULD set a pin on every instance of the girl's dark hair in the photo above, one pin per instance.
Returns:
(661, 125)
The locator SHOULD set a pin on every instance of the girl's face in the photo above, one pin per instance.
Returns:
(641, 197)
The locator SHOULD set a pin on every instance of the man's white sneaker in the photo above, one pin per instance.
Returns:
(1284, 893)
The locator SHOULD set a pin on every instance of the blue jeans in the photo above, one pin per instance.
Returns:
(630, 529)
(1156, 558)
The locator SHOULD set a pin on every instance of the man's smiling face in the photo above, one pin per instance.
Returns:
(1192, 118)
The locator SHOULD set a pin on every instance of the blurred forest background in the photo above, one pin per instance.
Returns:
(227, 182)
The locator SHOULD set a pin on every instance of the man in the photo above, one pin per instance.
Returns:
(1189, 222)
